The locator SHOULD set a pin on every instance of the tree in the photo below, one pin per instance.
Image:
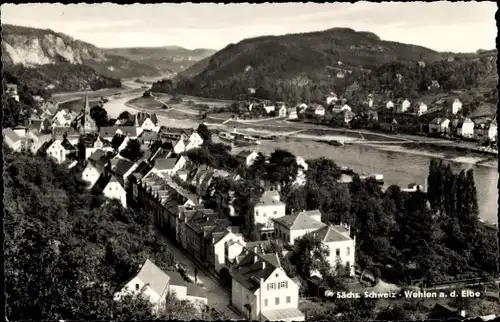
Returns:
(309, 255)
(275, 248)
(12, 115)
(282, 167)
(204, 132)
(132, 151)
(99, 115)
(125, 115)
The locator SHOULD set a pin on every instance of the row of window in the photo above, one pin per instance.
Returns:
(281, 235)
(277, 285)
(337, 251)
(264, 214)
(277, 301)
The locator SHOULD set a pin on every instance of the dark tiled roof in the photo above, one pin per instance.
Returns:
(128, 130)
(330, 234)
(66, 145)
(165, 164)
(108, 130)
(176, 279)
(248, 272)
(122, 166)
(68, 130)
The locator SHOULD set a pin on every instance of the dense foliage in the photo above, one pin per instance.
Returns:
(67, 250)
(132, 150)
(62, 77)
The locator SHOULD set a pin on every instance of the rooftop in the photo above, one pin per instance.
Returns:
(329, 234)
(301, 221)
(156, 278)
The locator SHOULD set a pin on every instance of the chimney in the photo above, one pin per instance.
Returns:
(263, 265)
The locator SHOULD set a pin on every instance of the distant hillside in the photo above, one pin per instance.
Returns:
(32, 47)
(166, 59)
(305, 67)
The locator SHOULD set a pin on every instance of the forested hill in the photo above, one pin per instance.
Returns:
(287, 66)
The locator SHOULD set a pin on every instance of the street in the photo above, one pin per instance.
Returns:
(217, 296)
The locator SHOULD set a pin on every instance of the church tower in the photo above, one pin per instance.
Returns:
(87, 125)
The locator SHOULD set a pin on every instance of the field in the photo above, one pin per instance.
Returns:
(59, 97)
(148, 103)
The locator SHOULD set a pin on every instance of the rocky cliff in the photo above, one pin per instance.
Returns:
(31, 47)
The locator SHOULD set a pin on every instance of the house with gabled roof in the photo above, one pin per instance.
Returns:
(122, 168)
(404, 107)
(180, 146)
(91, 174)
(194, 141)
(219, 239)
(291, 227)
(456, 106)
(67, 132)
(60, 149)
(261, 290)
(421, 108)
(463, 127)
(339, 243)
(12, 139)
(439, 125)
(151, 281)
(36, 139)
(112, 187)
(148, 137)
(389, 105)
(319, 110)
(247, 157)
(146, 121)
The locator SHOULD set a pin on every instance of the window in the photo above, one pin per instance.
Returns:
(337, 252)
(327, 252)
(256, 212)
(265, 214)
(347, 264)
(136, 287)
(288, 299)
(265, 302)
(270, 286)
(275, 212)
(284, 284)
(348, 251)
(277, 301)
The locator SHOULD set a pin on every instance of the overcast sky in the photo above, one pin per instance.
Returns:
(443, 26)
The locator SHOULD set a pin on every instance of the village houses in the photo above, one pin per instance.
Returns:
(421, 108)
(247, 157)
(439, 125)
(13, 140)
(319, 110)
(463, 127)
(60, 150)
(331, 99)
(282, 111)
(493, 130)
(268, 208)
(12, 91)
(292, 113)
(405, 105)
(389, 105)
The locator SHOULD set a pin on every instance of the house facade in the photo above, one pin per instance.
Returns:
(405, 105)
(292, 114)
(464, 127)
(247, 157)
(456, 106)
(340, 246)
(194, 141)
(493, 130)
(282, 111)
(261, 290)
(59, 150)
(319, 110)
(114, 190)
(91, 174)
(268, 208)
(389, 105)
(421, 108)
(13, 140)
(439, 125)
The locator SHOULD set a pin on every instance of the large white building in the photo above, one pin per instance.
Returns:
(456, 106)
(268, 208)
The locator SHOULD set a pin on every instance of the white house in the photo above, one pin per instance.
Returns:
(91, 174)
(152, 281)
(268, 208)
(340, 75)
(59, 150)
(300, 180)
(37, 140)
(493, 130)
(302, 106)
(389, 104)
(222, 247)
(291, 227)
(332, 98)
(12, 139)
(114, 190)
(456, 106)
(194, 141)
(269, 108)
(319, 110)
(61, 119)
(421, 109)
(146, 121)
(262, 291)
(405, 105)
(292, 113)
(464, 127)
(283, 111)
(247, 157)
(98, 145)
(340, 245)
(439, 125)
